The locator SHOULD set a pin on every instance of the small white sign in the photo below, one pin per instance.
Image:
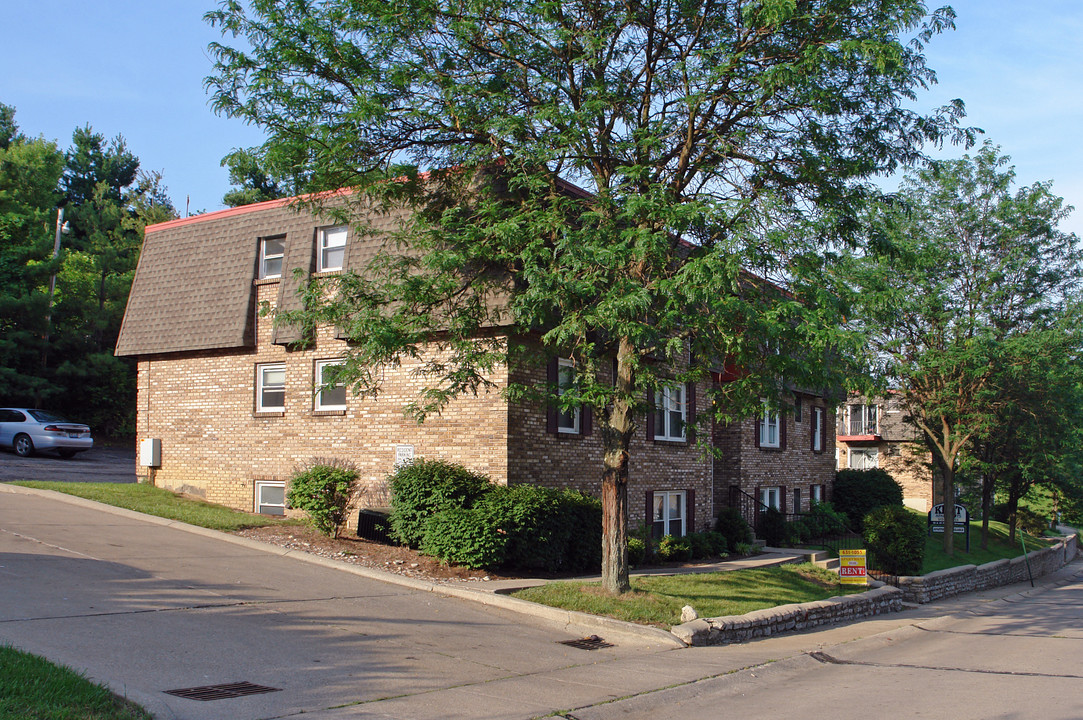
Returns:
(403, 454)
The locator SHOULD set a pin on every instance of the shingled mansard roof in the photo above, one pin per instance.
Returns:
(194, 289)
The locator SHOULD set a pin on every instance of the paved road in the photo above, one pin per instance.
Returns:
(100, 464)
(147, 607)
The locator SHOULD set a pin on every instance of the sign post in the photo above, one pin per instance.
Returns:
(960, 523)
(852, 567)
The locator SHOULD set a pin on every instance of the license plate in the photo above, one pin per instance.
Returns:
(75, 435)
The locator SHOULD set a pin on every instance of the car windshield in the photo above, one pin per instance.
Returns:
(42, 416)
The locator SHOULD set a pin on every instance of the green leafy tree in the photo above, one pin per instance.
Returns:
(711, 137)
(255, 182)
(966, 271)
(30, 171)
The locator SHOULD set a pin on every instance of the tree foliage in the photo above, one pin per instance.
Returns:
(968, 288)
(711, 138)
(57, 349)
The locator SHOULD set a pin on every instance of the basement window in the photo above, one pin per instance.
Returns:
(270, 497)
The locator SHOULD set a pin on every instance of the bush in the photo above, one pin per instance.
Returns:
(857, 492)
(426, 487)
(581, 515)
(744, 549)
(823, 520)
(674, 549)
(700, 546)
(772, 527)
(731, 524)
(323, 489)
(637, 551)
(465, 536)
(895, 538)
(717, 542)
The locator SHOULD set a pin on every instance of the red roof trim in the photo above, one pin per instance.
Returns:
(242, 210)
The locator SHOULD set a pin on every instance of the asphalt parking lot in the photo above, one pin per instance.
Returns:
(100, 464)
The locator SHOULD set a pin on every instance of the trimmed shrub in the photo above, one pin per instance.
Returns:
(323, 490)
(731, 524)
(717, 542)
(581, 517)
(426, 487)
(823, 520)
(465, 536)
(701, 546)
(856, 492)
(637, 551)
(895, 538)
(674, 549)
(772, 527)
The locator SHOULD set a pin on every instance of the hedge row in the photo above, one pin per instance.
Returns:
(460, 517)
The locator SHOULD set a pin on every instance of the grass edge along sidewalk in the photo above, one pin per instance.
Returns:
(33, 687)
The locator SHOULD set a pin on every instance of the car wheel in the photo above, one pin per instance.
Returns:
(66, 453)
(24, 446)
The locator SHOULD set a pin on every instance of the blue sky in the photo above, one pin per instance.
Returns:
(137, 68)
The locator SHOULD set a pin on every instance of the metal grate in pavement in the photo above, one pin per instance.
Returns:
(222, 692)
(588, 643)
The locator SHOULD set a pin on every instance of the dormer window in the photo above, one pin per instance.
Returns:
(271, 251)
(332, 250)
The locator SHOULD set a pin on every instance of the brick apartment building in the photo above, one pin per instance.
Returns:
(236, 407)
(873, 433)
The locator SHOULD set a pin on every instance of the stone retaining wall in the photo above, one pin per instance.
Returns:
(917, 589)
(969, 578)
(785, 618)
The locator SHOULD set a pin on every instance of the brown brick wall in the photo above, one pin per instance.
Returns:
(743, 464)
(575, 461)
(202, 407)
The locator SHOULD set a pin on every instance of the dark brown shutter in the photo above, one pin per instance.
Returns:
(757, 428)
(650, 414)
(552, 376)
(690, 511)
(782, 498)
(648, 512)
(690, 419)
(781, 431)
(586, 421)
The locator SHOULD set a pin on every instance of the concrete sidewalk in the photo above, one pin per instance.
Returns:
(148, 605)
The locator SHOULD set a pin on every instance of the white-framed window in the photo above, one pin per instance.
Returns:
(818, 429)
(567, 420)
(771, 497)
(669, 512)
(270, 497)
(769, 427)
(862, 420)
(271, 387)
(332, 249)
(863, 458)
(271, 251)
(671, 413)
(816, 493)
(328, 396)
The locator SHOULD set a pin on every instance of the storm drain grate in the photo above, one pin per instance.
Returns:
(221, 692)
(588, 643)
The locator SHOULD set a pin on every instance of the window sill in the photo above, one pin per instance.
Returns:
(673, 442)
(269, 413)
(327, 273)
(328, 413)
(267, 281)
(770, 448)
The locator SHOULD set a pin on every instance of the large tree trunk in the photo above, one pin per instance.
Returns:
(616, 434)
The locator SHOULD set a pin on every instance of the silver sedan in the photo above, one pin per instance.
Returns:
(27, 431)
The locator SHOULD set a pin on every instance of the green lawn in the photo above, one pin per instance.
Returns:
(999, 547)
(163, 503)
(658, 599)
(32, 687)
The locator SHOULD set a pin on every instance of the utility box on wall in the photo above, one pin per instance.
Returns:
(150, 452)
